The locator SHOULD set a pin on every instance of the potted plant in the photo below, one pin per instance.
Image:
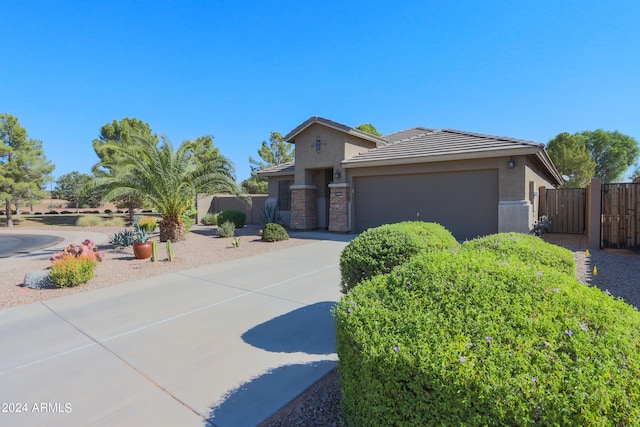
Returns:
(142, 247)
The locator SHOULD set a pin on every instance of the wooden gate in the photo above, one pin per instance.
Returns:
(566, 209)
(620, 223)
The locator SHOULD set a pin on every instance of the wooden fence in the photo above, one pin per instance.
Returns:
(620, 221)
(566, 209)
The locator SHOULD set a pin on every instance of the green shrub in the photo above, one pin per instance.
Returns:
(377, 250)
(209, 219)
(475, 338)
(148, 223)
(527, 248)
(72, 271)
(237, 217)
(227, 229)
(274, 233)
(188, 218)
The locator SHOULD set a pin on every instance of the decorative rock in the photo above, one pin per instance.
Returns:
(37, 279)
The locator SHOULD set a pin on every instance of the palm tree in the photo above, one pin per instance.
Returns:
(169, 180)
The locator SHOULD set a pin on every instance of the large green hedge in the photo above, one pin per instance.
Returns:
(377, 250)
(528, 248)
(483, 337)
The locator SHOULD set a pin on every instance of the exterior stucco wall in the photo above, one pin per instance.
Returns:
(335, 146)
(533, 181)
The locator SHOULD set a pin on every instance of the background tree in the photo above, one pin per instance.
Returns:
(613, 152)
(121, 134)
(167, 179)
(274, 153)
(572, 159)
(635, 174)
(70, 187)
(369, 128)
(23, 165)
(205, 152)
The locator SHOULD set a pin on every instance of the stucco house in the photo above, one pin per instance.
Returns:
(346, 180)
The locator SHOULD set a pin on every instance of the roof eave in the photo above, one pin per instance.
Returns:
(467, 155)
(268, 174)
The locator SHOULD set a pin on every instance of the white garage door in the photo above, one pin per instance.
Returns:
(466, 203)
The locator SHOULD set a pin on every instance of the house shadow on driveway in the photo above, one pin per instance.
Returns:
(309, 330)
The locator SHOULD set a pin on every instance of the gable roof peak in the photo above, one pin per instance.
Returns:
(290, 137)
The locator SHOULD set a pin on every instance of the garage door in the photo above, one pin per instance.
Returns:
(466, 203)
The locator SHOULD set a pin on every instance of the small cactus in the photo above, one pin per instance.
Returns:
(154, 251)
(235, 242)
(169, 250)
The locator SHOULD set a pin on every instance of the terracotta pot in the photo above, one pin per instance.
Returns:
(142, 250)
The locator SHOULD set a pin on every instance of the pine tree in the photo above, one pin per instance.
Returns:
(23, 165)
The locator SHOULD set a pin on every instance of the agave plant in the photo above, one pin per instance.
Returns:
(167, 179)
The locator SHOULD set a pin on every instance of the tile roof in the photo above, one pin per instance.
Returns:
(424, 142)
(283, 169)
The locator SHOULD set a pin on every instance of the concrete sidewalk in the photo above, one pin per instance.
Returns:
(221, 345)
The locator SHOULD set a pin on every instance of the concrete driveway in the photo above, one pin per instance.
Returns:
(220, 345)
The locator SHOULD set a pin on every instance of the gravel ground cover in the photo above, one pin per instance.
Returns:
(619, 273)
(202, 247)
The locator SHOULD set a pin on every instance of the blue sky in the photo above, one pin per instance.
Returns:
(239, 70)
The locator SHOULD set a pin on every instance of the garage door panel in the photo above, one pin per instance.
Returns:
(466, 203)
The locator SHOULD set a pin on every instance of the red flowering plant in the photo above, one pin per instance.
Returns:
(86, 249)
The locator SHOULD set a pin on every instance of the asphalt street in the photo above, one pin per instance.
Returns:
(16, 244)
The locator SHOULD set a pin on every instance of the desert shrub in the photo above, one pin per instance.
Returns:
(37, 213)
(227, 229)
(473, 338)
(274, 233)
(123, 239)
(71, 271)
(108, 211)
(237, 217)
(148, 223)
(89, 221)
(209, 219)
(113, 221)
(51, 213)
(75, 265)
(67, 213)
(377, 250)
(527, 248)
(270, 214)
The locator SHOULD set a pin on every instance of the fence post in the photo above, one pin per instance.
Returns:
(594, 213)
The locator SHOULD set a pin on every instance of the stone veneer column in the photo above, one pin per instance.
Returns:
(304, 213)
(339, 200)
